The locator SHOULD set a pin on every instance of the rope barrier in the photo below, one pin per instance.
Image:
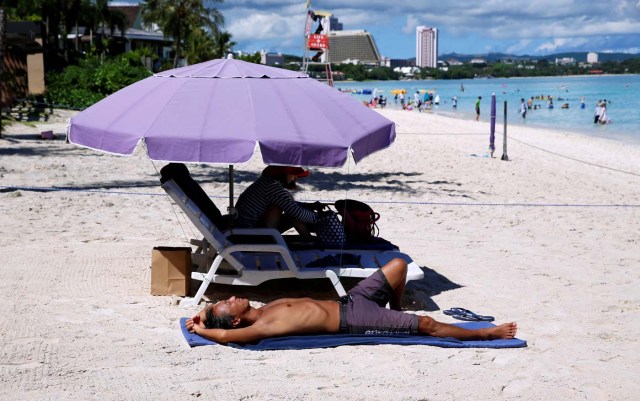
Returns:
(419, 203)
(530, 145)
(574, 159)
(71, 189)
(482, 204)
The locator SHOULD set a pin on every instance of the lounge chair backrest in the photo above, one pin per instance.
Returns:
(180, 174)
(204, 224)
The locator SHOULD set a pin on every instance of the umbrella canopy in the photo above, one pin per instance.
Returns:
(219, 111)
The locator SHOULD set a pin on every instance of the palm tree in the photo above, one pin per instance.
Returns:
(54, 15)
(222, 45)
(102, 18)
(181, 19)
(199, 46)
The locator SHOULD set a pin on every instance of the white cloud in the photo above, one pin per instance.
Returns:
(410, 25)
(264, 26)
(500, 25)
(518, 47)
(559, 43)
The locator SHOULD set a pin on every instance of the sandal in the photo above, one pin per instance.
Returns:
(467, 315)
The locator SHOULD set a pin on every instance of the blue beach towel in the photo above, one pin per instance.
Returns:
(335, 340)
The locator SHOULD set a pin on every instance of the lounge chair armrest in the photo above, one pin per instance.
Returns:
(252, 232)
(283, 251)
(271, 248)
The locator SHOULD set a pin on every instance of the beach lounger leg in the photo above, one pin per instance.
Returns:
(205, 283)
(336, 283)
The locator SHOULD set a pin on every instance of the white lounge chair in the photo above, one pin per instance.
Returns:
(241, 256)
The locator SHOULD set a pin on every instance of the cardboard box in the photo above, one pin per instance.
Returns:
(170, 271)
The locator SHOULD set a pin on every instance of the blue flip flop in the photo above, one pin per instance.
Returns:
(467, 315)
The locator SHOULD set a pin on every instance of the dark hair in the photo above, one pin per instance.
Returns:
(217, 322)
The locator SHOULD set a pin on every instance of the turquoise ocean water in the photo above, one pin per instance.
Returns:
(622, 93)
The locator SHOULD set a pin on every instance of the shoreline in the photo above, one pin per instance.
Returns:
(81, 324)
(484, 78)
(618, 136)
(619, 90)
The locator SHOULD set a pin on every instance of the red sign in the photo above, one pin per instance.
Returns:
(318, 42)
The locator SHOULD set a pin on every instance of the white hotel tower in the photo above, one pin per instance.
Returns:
(426, 47)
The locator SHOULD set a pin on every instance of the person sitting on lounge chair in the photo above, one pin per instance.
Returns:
(267, 203)
(362, 311)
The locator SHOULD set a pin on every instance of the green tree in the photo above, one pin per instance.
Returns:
(99, 18)
(199, 46)
(80, 86)
(59, 17)
(47, 11)
(222, 45)
(251, 58)
(182, 19)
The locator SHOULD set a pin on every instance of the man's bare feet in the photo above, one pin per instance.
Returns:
(505, 330)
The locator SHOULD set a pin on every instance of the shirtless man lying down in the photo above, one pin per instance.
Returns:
(362, 311)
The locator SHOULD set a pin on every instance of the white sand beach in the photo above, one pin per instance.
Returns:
(550, 239)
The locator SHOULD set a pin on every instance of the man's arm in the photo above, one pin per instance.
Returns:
(273, 323)
(241, 335)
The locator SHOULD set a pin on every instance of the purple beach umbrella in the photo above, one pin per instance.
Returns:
(220, 110)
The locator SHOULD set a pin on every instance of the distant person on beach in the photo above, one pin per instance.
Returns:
(362, 311)
(597, 112)
(382, 102)
(454, 102)
(478, 108)
(523, 108)
(530, 103)
(267, 203)
(603, 114)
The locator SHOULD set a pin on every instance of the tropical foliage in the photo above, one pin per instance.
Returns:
(61, 17)
(364, 73)
(80, 86)
(251, 58)
(540, 68)
(222, 45)
(187, 22)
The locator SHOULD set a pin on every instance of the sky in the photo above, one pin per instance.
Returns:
(534, 27)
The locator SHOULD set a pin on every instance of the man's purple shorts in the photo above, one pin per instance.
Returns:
(363, 311)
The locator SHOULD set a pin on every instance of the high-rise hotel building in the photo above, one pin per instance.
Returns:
(426, 47)
(359, 45)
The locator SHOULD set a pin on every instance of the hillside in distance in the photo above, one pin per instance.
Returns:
(578, 56)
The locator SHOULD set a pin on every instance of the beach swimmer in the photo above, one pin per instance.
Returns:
(362, 311)
(478, 107)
